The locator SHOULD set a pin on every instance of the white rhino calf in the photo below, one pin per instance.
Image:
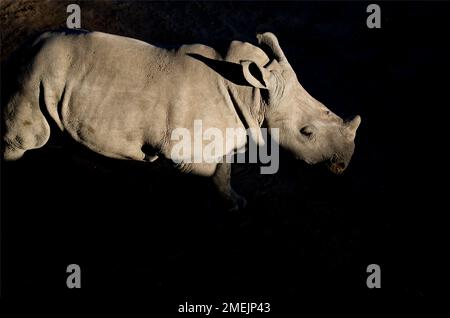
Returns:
(122, 98)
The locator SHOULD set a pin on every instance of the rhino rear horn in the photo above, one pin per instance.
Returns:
(269, 39)
(352, 126)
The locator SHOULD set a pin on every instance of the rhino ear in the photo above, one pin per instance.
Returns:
(255, 75)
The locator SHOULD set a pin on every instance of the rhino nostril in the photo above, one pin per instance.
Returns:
(334, 159)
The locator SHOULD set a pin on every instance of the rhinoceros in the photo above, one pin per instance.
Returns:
(122, 98)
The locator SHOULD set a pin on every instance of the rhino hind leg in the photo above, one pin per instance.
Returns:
(12, 154)
(222, 181)
(25, 127)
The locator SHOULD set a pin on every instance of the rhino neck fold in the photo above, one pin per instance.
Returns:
(248, 104)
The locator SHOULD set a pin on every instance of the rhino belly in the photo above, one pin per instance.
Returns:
(114, 125)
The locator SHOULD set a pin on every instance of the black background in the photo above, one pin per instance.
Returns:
(140, 230)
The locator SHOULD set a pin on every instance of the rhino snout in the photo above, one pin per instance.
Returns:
(336, 165)
(337, 168)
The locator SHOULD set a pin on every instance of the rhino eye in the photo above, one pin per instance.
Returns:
(306, 131)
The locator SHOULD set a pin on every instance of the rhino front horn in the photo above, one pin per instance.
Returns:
(352, 126)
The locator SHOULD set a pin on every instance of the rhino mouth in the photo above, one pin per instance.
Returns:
(336, 166)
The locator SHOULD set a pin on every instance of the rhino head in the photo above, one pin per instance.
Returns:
(307, 128)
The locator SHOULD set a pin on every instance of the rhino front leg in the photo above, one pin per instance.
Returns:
(221, 179)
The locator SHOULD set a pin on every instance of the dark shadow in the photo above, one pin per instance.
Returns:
(230, 71)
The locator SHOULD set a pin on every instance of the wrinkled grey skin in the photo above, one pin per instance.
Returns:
(122, 98)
